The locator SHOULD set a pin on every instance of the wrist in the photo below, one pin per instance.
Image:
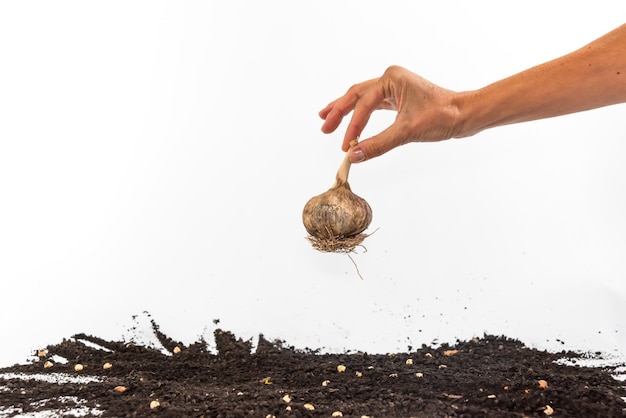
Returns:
(470, 113)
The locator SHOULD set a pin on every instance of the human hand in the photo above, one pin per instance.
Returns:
(425, 113)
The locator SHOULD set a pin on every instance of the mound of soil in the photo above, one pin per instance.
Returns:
(484, 377)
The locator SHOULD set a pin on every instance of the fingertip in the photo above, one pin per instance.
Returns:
(368, 149)
(345, 146)
(356, 155)
(329, 125)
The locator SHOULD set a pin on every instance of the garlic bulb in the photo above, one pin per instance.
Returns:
(336, 219)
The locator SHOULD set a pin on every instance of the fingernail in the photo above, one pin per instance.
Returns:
(356, 156)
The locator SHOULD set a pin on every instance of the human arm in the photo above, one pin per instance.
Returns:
(590, 77)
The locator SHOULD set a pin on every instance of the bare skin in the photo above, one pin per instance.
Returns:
(590, 77)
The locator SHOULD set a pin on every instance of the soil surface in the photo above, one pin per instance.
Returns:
(483, 377)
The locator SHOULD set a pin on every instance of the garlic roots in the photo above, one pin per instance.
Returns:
(337, 218)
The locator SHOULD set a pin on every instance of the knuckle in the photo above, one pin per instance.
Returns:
(393, 71)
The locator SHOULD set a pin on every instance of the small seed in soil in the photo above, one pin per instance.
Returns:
(542, 384)
(326, 383)
(548, 410)
(120, 389)
(358, 374)
(287, 398)
(491, 396)
(450, 352)
(176, 350)
(419, 374)
(341, 368)
(337, 414)
(48, 364)
(308, 407)
(106, 366)
(154, 404)
(41, 353)
(409, 361)
(393, 375)
(428, 355)
(79, 367)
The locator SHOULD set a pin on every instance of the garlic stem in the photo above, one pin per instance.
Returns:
(344, 168)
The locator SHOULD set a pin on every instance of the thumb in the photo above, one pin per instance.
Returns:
(373, 147)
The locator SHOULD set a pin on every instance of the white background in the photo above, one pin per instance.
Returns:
(155, 157)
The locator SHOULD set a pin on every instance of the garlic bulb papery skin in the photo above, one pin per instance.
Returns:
(338, 213)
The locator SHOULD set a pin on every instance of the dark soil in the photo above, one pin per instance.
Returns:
(487, 377)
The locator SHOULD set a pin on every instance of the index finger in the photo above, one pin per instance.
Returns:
(372, 100)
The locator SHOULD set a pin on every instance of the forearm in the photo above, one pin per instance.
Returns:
(591, 77)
